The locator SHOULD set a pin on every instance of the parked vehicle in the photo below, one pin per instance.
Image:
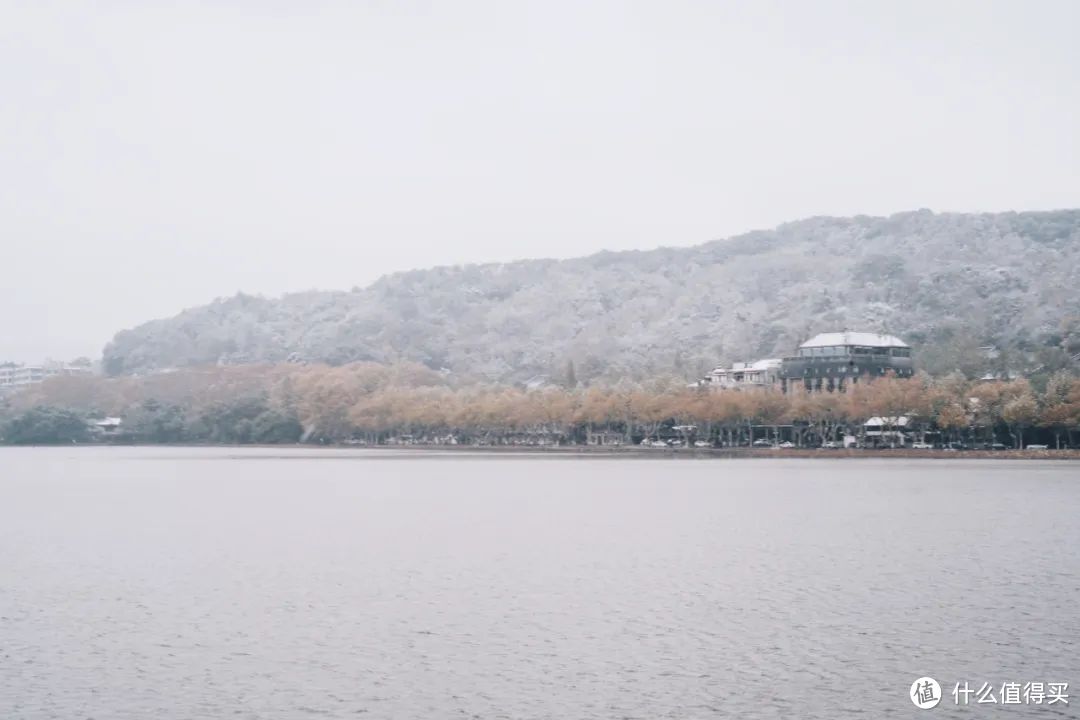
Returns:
(762, 443)
(956, 446)
(786, 445)
(702, 444)
(997, 446)
(921, 446)
(1038, 447)
(831, 445)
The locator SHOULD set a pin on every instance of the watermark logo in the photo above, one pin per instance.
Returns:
(925, 693)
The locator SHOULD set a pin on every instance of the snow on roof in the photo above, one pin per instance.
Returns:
(854, 338)
(899, 421)
(767, 364)
(537, 382)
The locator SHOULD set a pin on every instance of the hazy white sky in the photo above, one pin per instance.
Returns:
(156, 155)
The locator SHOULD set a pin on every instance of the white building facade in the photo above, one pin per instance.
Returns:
(762, 373)
(15, 377)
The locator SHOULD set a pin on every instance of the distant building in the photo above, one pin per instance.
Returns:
(603, 437)
(15, 377)
(999, 376)
(831, 361)
(763, 373)
(891, 431)
(538, 382)
(107, 426)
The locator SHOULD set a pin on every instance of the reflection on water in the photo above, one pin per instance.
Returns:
(195, 583)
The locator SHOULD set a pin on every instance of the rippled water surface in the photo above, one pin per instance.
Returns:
(195, 583)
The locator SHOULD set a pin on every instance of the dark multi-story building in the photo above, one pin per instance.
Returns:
(832, 361)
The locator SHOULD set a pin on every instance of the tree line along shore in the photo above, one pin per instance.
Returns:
(407, 404)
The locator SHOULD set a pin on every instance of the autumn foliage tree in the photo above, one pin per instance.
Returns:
(376, 403)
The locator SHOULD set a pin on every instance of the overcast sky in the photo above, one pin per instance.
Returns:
(154, 155)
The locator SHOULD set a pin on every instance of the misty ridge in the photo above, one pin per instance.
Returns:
(947, 283)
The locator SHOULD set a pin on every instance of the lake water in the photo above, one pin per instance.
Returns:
(221, 583)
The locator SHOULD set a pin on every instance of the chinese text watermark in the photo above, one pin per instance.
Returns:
(926, 693)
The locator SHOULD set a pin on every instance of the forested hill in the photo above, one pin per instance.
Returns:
(945, 282)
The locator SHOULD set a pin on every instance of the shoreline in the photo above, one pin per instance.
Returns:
(621, 451)
(745, 453)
